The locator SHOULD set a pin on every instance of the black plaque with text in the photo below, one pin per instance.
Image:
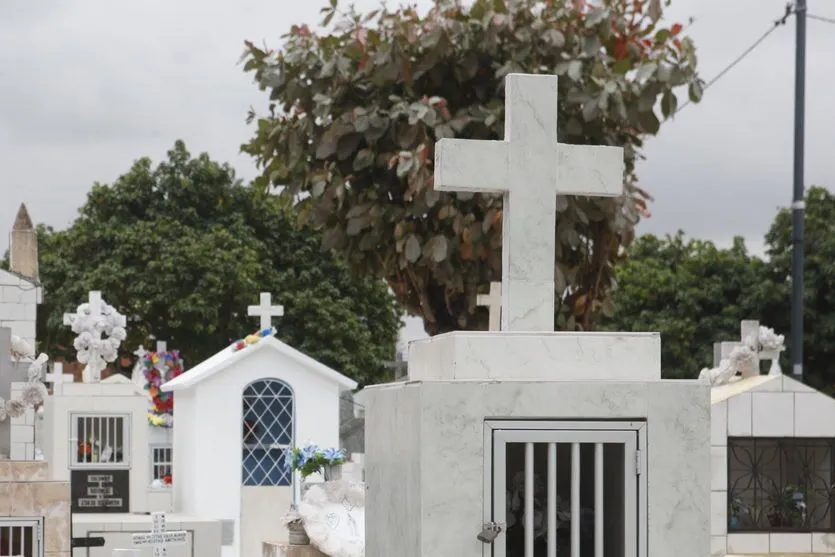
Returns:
(100, 491)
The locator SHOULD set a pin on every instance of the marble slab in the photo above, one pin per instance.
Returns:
(493, 355)
(425, 457)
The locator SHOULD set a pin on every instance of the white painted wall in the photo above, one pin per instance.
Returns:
(22, 429)
(207, 437)
(19, 301)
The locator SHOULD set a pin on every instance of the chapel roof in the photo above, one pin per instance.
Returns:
(768, 383)
(229, 356)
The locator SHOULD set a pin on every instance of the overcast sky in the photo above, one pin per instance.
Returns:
(88, 86)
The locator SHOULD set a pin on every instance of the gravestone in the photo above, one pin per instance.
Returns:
(525, 441)
(159, 539)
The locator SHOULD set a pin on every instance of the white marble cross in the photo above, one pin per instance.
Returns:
(140, 352)
(159, 538)
(94, 299)
(58, 377)
(493, 302)
(749, 334)
(529, 168)
(266, 311)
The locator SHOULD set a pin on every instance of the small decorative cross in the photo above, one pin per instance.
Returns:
(266, 311)
(95, 302)
(399, 365)
(159, 538)
(530, 167)
(58, 377)
(749, 334)
(140, 352)
(493, 302)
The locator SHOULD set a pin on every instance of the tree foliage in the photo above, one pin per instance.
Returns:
(354, 115)
(690, 291)
(183, 248)
(819, 284)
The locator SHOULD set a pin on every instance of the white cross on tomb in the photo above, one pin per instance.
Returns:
(749, 334)
(266, 311)
(162, 346)
(94, 299)
(493, 302)
(159, 538)
(529, 168)
(140, 352)
(58, 377)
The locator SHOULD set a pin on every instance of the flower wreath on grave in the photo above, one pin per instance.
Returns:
(35, 390)
(162, 413)
(252, 339)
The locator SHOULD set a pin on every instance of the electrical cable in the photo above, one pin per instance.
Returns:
(821, 18)
(746, 52)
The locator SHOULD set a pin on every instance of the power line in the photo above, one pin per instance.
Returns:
(821, 18)
(747, 51)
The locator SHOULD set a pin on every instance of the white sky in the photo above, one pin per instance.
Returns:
(88, 86)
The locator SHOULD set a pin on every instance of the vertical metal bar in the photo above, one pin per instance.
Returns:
(575, 499)
(598, 500)
(11, 539)
(630, 499)
(500, 493)
(107, 433)
(87, 456)
(528, 499)
(552, 500)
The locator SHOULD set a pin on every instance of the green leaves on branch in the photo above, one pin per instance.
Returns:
(354, 114)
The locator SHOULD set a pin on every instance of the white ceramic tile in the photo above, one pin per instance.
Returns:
(739, 415)
(814, 415)
(790, 543)
(21, 434)
(718, 513)
(718, 468)
(17, 451)
(719, 423)
(773, 414)
(718, 546)
(823, 543)
(747, 543)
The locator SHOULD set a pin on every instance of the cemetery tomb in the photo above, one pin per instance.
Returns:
(526, 442)
(95, 435)
(271, 395)
(772, 443)
(34, 512)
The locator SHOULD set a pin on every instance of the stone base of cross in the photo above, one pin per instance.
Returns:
(159, 538)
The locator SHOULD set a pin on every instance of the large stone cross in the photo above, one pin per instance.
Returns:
(58, 377)
(529, 168)
(493, 302)
(749, 334)
(266, 311)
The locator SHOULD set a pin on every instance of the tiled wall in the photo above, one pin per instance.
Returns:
(19, 301)
(25, 493)
(21, 430)
(782, 408)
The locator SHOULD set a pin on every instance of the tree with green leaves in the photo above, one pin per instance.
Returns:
(355, 112)
(819, 285)
(183, 248)
(693, 293)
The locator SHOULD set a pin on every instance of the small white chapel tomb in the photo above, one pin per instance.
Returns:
(526, 441)
(238, 413)
(772, 445)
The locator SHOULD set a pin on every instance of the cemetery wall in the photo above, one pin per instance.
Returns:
(25, 492)
(19, 301)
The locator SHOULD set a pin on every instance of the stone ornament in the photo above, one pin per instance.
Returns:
(35, 391)
(90, 322)
(758, 343)
(333, 514)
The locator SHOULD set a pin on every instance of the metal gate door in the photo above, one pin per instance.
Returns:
(21, 537)
(567, 489)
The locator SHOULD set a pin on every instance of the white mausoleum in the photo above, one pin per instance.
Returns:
(772, 444)
(236, 415)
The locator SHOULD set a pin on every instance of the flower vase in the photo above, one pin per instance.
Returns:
(296, 534)
(332, 473)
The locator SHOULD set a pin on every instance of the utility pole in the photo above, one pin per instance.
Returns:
(798, 204)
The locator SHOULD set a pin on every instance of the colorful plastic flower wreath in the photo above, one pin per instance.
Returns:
(252, 339)
(163, 402)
